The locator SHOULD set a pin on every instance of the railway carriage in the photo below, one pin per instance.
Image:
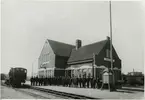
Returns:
(17, 76)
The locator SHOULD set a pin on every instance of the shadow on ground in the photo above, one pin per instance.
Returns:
(23, 86)
(124, 91)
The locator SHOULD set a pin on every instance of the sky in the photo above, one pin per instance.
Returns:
(26, 24)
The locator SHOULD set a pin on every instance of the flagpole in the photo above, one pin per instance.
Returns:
(93, 65)
(111, 56)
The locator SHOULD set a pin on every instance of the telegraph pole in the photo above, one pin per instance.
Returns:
(93, 65)
(111, 56)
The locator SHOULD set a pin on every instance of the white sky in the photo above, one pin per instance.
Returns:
(26, 24)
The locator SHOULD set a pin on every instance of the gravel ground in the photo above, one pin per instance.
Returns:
(97, 93)
(11, 93)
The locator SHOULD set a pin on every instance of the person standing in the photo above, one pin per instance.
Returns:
(36, 80)
(87, 80)
(77, 82)
(91, 80)
(31, 80)
(54, 80)
(45, 81)
(61, 80)
(49, 80)
(83, 82)
(70, 81)
(80, 81)
(39, 81)
(94, 83)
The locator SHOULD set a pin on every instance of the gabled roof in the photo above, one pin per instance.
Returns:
(86, 52)
(61, 49)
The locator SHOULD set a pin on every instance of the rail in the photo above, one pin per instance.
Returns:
(70, 95)
(26, 92)
(53, 92)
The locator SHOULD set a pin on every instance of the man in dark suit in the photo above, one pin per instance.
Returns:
(88, 81)
(31, 80)
(91, 80)
(36, 80)
(94, 82)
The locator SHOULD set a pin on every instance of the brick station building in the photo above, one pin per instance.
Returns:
(61, 59)
(53, 58)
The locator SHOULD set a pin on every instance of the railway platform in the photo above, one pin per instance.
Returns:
(96, 93)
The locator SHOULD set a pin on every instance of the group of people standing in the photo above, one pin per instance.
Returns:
(67, 82)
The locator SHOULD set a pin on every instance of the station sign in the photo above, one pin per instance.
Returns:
(108, 59)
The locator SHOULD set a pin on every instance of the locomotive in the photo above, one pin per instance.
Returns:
(17, 76)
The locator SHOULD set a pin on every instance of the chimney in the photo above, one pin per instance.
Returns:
(78, 43)
(108, 38)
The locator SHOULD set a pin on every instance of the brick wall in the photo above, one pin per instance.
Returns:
(61, 62)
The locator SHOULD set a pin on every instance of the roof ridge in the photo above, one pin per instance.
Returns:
(92, 43)
(60, 48)
(96, 42)
(60, 42)
(87, 51)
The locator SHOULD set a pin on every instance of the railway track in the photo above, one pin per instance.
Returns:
(48, 94)
(36, 93)
(64, 94)
(27, 91)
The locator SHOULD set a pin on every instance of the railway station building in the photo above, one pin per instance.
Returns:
(61, 59)
(53, 58)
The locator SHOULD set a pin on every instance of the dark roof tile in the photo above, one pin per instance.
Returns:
(86, 52)
(61, 49)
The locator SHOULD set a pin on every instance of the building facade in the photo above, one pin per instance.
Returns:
(53, 58)
(60, 59)
(92, 59)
